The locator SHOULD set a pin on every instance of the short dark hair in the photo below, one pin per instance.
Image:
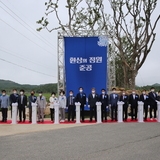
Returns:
(113, 88)
(62, 92)
(70, 91)
(22, 90)
(14, 89)
(53, 93)
(3, 91)
(152, 88)
(80, 87)
(103, 89)
(40, 92)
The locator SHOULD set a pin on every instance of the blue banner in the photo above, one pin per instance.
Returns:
(85, 63)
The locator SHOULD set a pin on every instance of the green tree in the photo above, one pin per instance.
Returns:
(130, 27)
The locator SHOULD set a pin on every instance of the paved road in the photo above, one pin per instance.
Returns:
(129, 141)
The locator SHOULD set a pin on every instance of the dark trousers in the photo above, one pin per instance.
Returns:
(22, 111)
(125, 112)
(52, 113)
(30, 114)
(134, 112)
(114, 110)
(4, 114)
(71, 110)
(93, 111)
(103, 112)
(145, 111)
(82, 112)
(153, 107)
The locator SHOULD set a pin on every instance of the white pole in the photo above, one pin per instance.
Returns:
(14, 113)
(158, 105)
(56, 113)
(78, 112)
(140, 111)
(120, 111)
(34, 113)
(98, 104)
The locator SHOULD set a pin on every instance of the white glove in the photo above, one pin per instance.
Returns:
(88, 106)
(148, 106)
(109, 105)
(129, 105)
(25, 106)
(106, 106)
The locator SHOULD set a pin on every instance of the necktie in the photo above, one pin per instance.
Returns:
(21, 99)
(70, 100)
(81, 95)
(114, 96)
(123, 97)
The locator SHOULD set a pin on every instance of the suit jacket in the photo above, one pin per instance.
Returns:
(152, 98)
(133, 102)
(92, 101)
(13, 98)
(41, 102)
(124, 98)
(24, 101)
(73, 100)
(31, 99)
(81, 98)
(104, 100)
(113, 99)
(145, 101)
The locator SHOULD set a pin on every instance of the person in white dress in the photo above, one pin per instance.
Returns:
(62, 105)
(52, 100)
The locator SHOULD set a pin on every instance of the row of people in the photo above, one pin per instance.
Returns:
(108, 101)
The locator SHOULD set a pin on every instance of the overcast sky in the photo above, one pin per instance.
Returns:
(30, 57)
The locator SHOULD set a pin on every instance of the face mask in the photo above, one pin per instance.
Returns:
(144, 92)
(71, 94)
(3, 94)
(61, 94)
(53, 95)
(21, 93)
(114, 91)
(133, 92)
(15, 92)
(81, 90)
(152, 90)
(93, 91)
(103, 92)
(123, 93)
(40, 94)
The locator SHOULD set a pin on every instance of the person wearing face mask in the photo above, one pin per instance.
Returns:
(4, 100)
(152, 101)
(41, 105)
(53, 99)
(22, 103)
(133, 103)
(124, 98)
(92, 99)
(62, 105)
(31, 99)
(13, 99)
(103, 98)
(113, 99)
(81, 97)
(145, 99)
(71, 105)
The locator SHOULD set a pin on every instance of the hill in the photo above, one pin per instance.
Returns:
(9, 85)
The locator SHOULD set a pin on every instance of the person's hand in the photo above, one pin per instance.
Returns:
(148, 106)
(106, 106)
(88, 106)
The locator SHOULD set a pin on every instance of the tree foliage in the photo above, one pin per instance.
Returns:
(130, 27)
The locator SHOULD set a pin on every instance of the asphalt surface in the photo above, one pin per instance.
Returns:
(125, 141)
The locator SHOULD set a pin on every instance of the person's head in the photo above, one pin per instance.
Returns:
(123, 92)
(80, 89)
(158, 92)
(152, 89)
(3, 92)
(144, 91)
(62, 93)
(93, 90)
(53, 94)
(133, 91)
(113, 90)
(71, 93)
(32, 93)
(40, 93)
(103, 91)
(14, 91)
(21, 92)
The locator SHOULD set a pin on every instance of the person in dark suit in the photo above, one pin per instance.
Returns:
(13, 98)
(81, 97)
(145, 99)
(133, 102)
(22, 103)
(124, 98)
(71, 105)
(113, 99)
(31, 99)
(92, 99)
(152, 101)
(103, 98)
